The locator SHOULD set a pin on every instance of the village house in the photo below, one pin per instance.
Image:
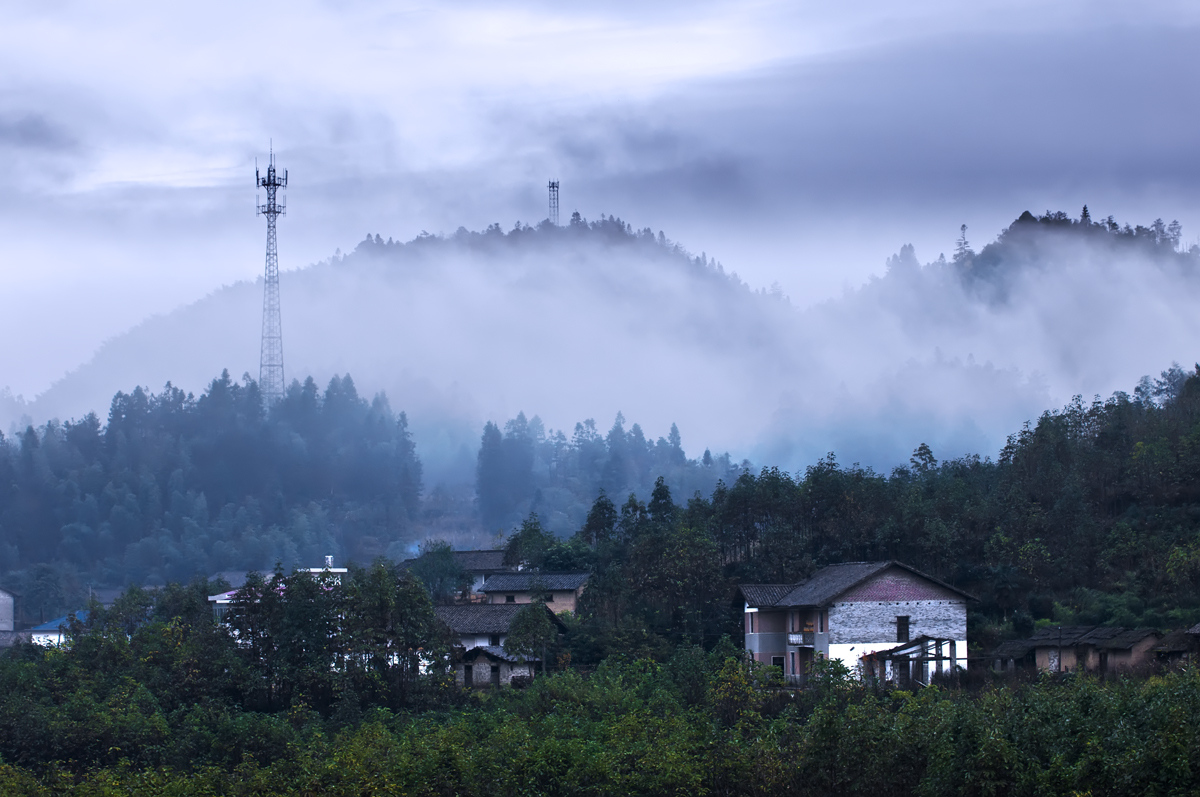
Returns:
(848, 611)
(1079, 648)
(482, 629)
(222, 600)
(559, 591)
(55, 631)
(1179, 648)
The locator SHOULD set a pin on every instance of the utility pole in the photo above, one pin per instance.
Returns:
(270, 362)
(554, 202)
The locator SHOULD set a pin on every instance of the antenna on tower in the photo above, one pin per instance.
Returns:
(270, 362)
(554, 202)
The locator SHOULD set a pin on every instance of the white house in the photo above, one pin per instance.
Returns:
(55, 631)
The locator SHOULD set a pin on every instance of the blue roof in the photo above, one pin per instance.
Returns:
(62, 622)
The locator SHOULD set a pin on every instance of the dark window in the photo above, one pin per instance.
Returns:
(468, 675)
(549, 597)
(510, 598)
(902, 628)
(494, 640)
(777, 661)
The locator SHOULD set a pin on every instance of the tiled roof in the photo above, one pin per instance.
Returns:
(494, 652)
(525, 582)
(490, 561)
(481, 561)
(1195, 630)
(829, 582)
(1176, 642)
(1105, 637)
(479, 618)
(764, 594)
(833, 581)
(1012, 649)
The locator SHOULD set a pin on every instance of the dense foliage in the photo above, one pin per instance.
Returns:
(173, 486)
(149, 710)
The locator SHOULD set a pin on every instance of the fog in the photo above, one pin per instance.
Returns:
(581, 322)
(800, 145)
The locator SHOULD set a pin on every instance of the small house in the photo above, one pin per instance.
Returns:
(559, 591)
(55, 632)
(482, 630)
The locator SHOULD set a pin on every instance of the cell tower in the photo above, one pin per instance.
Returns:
(554, 202)
(270, 362)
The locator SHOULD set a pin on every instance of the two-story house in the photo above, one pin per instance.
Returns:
(559, 591)
(849, 610)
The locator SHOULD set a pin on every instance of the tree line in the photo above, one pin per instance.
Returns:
(174, 485)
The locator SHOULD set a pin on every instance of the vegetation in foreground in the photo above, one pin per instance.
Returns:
(167, 708)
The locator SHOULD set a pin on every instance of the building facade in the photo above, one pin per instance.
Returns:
(848, 611)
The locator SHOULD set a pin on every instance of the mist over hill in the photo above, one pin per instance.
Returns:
(595, 318)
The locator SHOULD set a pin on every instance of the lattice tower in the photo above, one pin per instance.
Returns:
(554, 202)
(270, 362)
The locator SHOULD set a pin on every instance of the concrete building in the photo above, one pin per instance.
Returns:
(8, 608)
(850, 610)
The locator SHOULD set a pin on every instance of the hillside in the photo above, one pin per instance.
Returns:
(594, 318)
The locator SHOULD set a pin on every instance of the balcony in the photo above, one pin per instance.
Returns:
(805, 639)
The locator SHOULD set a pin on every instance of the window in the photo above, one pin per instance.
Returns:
(777, 661)
(902, 628)
(793, 654)
(549, 597)
(510, 598)
(494, 640)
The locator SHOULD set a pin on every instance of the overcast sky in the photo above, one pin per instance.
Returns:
(798, 143)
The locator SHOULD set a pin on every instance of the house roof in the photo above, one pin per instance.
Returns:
(61, 623)
(764, 594)
(1176, 642)
(496, 653)
(525, 582)
(828, 583)
(1105, 637)
(481, 561)
(1194, 630)
(483, 618)
(1012, 649)
(486, 561)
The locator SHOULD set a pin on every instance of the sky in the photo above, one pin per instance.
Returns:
(798, 143)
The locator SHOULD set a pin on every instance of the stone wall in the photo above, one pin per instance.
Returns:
(875, 622)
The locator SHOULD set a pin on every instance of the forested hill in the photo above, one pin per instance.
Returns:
(596, 317)
(570, 322)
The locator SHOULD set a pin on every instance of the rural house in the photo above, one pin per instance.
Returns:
(482, 629)
(559, 591)
(850, 610)
(1075, 648)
